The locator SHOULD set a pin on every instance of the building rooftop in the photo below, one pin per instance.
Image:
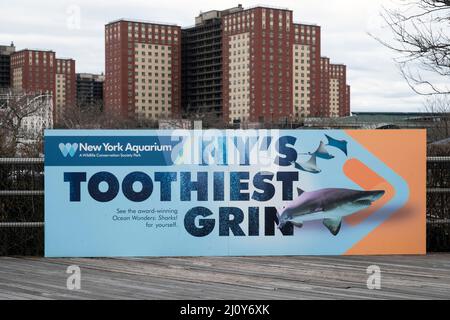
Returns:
(264, 6)
(306, 24)
(7, 46)
(260, 6)
(35, 49)
(394, 117)
(91, 76)
(143, 21)
(379, 118)
(394, 114)
(215, 14)
(7, 49)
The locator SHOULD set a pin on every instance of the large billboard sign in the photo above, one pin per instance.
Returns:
(234, 192)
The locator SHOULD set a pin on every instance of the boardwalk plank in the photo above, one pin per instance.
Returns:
(403, 277)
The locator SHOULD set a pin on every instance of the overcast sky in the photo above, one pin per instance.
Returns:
(75, 29)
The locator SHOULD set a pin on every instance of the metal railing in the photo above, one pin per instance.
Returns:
(41, 192)
(22, 201)
(438, 159)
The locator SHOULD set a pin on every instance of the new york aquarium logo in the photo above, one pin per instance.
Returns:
(68, 149)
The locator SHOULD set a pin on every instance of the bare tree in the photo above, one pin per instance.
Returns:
(32, 148)
(94, 117)
(211, 119)
(7, 149)
(75, 117)
(16, 109)
(421, 37)
(439, 108)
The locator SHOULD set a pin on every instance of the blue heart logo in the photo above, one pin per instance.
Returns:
(68, 149)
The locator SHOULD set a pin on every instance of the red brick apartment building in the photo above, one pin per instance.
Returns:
(38, 71)
(142, 69)
(325, 87)
(257, 65)
(263, 68)
(348, 101)
(272, 69)
(33, 71)
(66, 86)
(306, 71)
(338, 90)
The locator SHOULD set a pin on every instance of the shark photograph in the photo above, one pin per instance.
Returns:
(329, 205)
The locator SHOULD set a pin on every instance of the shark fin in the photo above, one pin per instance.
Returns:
(297, 224)
(300, 191)
(334, 225)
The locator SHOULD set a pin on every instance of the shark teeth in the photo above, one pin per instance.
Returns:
(364, 202)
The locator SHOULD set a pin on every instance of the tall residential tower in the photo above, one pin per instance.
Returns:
(34, 71)
(90, 89)
(5, 65)
(143, 70)
(273, 70)
(245, 65)
(202, 63)
(66, 86)
(39, 71)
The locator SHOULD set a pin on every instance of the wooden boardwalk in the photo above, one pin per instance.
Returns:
(402, 277)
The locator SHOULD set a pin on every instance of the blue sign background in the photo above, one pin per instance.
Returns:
(91, 228)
